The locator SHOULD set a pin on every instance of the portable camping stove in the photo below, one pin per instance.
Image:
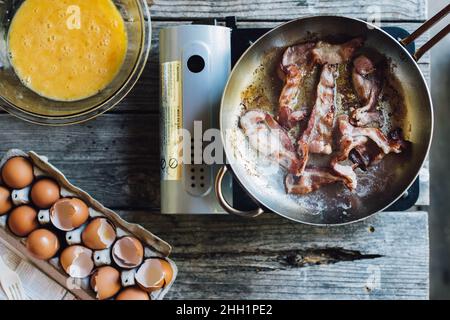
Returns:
(195, 65)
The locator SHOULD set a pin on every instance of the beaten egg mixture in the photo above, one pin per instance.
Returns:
(67, 50)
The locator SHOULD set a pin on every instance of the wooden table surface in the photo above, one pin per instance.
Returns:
(116, 159)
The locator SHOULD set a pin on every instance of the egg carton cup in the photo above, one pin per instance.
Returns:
(154, 247)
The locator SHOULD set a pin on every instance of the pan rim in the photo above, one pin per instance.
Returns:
(410, 59)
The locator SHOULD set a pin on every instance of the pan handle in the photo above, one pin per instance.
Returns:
(223, 202)
(423, 28)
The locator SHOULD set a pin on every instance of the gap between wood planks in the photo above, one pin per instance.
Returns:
(287, 259)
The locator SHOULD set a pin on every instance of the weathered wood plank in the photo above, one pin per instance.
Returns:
(115, 157)
(226, 257)
(413, 10)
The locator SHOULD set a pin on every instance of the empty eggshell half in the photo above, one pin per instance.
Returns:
(154, 274)
(99, 234)
(105, 282)
(69, 213)
(128, 252)
(77, 261)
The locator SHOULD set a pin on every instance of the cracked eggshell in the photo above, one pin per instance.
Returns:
(133, 293)
(68, 214)
(17, 173)
(45, 193)
(105, 281)
(77, 261)
(5, 201)
(154, 274)
(42, 244)
(128, 252)
(23, 220)
(99, 234)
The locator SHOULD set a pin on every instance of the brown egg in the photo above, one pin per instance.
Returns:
(154, 274)
(105, 282)
(128, 252)
(133, 293)
(77, 261)
(99, 234)
(5, 201)
(42, 244)
(17, 173)
(23, 220)
(69, 213)
(45, 193)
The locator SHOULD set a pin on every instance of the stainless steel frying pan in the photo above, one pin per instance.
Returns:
(332, 205)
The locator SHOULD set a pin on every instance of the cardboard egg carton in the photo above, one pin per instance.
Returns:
(154, 247)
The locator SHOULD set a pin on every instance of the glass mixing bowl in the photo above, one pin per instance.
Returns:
(20, 101)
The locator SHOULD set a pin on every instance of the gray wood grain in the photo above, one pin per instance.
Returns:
(114, 157)
(225, 257)
(413, 10)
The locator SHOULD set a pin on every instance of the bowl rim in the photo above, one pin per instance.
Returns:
(109, 103)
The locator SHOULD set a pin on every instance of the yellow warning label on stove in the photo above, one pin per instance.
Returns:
(171, 121)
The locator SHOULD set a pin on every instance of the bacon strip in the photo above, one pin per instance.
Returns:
(270, 139)
(311, 180)
(350, 133)
(317, 138)
(326, 53)
(294, 65)
(364, 147)
(367, 85)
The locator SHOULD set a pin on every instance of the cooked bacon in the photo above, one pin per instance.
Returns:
(289, 98)
(347, 173)
(270, 139)
(326, 53)
(317, 138)
(364, 147)
(298, 55)
(312, 179)
(294, 65)
(350, 133)
(366, 82)
(366, 155)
